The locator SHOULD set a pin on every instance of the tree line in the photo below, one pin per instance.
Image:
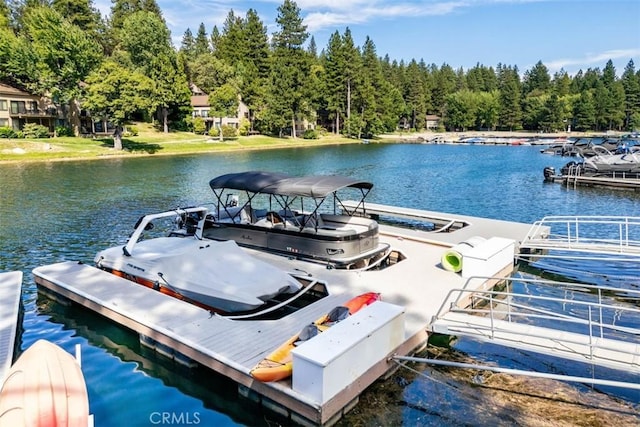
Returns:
(124, 67)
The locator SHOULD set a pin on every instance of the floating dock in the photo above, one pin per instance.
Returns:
(320, 392)
(10, 292)
(573, 181)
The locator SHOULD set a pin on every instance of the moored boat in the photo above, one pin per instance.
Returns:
(44, 388)
(278, 365)
(290, 216)
(213, 274)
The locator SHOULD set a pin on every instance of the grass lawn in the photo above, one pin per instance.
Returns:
(148, 142)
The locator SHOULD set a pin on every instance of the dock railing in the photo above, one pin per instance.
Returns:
(587, 323)
(584, 234)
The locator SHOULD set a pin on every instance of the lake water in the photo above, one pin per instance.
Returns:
(51, 212)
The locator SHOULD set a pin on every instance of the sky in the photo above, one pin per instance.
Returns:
(564, 34)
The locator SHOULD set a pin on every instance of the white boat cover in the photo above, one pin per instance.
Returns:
(215, 273)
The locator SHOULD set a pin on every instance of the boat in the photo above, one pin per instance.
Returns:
(45, 387)
(217, 275)
(279, 364)
(293, 216)
(609, 164)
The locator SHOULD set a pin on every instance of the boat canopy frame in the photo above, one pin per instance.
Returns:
(286, 189)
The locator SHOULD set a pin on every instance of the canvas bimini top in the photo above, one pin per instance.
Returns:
(315, 186)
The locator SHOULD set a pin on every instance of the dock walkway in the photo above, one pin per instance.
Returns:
(450, 229)
(10, 292)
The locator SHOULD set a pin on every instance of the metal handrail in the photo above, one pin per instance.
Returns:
(572, 233)
(593, 319)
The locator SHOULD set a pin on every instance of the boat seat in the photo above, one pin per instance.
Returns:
(312, 221)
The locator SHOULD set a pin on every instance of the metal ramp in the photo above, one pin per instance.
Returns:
(580, 237)
(586, 324)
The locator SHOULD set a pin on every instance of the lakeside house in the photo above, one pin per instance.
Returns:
(18, 108)
(201, 108)
(432, 122)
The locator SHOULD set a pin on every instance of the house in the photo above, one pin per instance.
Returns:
(201, 108)
(432, 122)
(17, 108)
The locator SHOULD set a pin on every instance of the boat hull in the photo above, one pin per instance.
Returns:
(342, 248)
(279, 364)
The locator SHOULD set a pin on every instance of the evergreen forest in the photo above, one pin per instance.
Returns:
(124, 67)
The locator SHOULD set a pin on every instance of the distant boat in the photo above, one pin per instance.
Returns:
(44, 388)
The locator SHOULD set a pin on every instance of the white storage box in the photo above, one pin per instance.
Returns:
(488, 258)
(330, 361)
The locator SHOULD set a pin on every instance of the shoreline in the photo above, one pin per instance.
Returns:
(235, 145)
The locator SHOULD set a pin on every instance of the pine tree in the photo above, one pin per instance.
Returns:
(334, 80)
(415, 96)
(536, 79)
(584, 112)
(290, 70)
(510, 90)
(352, 68)
(201, 42)
(79, 12)
(631, 85)
(188, 43)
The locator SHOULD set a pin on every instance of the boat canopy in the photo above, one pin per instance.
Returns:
(316, 186)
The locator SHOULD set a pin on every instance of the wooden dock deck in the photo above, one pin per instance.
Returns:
(10, 293)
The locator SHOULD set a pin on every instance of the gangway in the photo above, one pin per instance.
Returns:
(581, 237)
(585, 324)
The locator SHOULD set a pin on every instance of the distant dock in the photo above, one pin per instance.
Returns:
(573, 181)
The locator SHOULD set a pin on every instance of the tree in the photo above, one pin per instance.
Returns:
(253, 68)
(115, 93)
(187, 46)
(462, 107)
(631, 85)
(536, 79)
(415, 96)
(488, 109)
(584, 112)
(146, 41)
(553, 118)
(63, 55)
(290, 66)
(334, 79)
(224, 102)
(81, 13)
(208, 72)
(201, 42)
(510, 90)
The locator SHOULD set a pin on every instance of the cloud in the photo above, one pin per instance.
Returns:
(359, 12)
(597, 59)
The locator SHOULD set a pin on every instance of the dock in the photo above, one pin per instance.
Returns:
(574, 181)
(413, 292)
(10, 294)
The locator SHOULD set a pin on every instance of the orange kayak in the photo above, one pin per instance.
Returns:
(279, 364)
(44, 388)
